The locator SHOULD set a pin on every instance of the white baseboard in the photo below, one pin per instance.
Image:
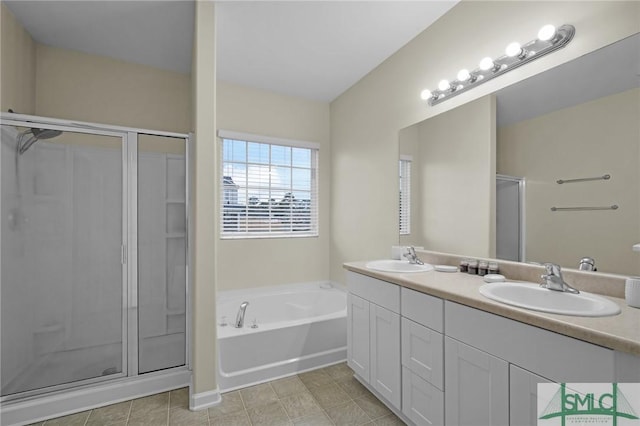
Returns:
(202, 400)
(62, 403)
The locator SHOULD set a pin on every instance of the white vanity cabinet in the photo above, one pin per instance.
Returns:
(523, 396)
(515, 357)
(438, 362)
(477, 385)
(385, 353)
(358, 346)
(373, 334)
(422, 358)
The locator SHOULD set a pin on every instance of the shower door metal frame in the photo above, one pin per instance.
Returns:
(129, 249)
(33, 122)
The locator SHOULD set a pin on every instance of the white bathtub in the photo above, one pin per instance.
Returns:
(300, 327)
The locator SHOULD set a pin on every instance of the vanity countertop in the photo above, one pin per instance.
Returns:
(620, 332)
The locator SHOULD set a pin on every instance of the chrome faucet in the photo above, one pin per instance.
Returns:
(412, 256)
(240, 317)
(553, 280)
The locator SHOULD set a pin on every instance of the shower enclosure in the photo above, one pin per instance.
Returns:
(94, 258)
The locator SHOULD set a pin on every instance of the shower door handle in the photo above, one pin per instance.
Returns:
(123, 258)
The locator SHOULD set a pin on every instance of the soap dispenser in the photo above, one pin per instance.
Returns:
(632, 286)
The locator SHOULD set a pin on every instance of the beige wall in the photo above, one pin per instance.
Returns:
(366, 119)
(203, 242)
(59, 83)
(98, 89)
(17, 65)
(456, 170)
(591, 139)
(261, 262)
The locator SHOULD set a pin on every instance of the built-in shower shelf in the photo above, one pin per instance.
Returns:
(176, 235)
(175, 201)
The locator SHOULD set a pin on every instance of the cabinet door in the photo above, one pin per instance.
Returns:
(477, 386)
(385, 353)
(358, 335)
(422, 352)
(422, 402)
(523, 396)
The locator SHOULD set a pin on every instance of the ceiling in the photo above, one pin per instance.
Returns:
(309, 49)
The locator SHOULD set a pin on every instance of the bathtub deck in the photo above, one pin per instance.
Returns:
(326, 396)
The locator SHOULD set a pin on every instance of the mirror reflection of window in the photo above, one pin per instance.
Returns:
(405, 195)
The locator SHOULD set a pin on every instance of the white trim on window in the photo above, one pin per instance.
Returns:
(239, 136)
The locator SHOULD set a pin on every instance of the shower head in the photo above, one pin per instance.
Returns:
(45, 133)
(36, 135)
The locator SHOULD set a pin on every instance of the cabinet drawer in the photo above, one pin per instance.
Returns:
(423, 352)
(422, 308)
(422, 402)
(552, 355)
(377, 291)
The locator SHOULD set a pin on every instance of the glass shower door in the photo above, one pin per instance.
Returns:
(162, 247)
(63, 283)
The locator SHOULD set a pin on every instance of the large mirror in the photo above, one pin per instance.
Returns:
(485, 176)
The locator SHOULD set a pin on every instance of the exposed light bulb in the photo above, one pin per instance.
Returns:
(444, 85)
(515, 54)
(486, 64)
(513, 49)
(463, 75)
(547, 32)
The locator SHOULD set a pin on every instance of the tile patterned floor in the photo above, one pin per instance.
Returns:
(326, 397)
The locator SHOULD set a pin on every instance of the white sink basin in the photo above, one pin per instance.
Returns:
(534, 297)
(397, 266)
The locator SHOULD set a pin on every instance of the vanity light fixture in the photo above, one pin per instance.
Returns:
(549, 40)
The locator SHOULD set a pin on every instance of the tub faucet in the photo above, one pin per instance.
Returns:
(553, 280)
(240, 317)
(412, 256)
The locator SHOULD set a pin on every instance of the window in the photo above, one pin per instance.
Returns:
(405, 195)
(269, 187)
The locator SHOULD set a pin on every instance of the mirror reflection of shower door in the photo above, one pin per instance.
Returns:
(161, 252)
(509, 218)
(63, 283)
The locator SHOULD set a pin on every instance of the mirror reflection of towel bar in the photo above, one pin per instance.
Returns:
(567, 209)
(604, 177)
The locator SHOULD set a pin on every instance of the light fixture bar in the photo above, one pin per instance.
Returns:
(549, 40)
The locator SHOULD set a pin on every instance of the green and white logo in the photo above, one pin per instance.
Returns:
(564, 404)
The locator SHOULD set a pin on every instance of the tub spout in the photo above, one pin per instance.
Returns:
(240, 317)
